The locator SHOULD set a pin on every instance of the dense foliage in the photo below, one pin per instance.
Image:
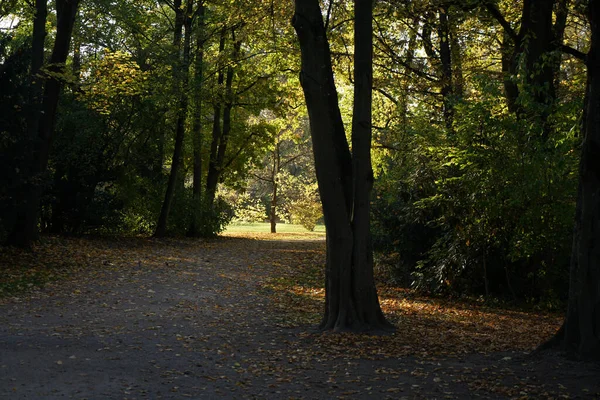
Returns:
(476, 189)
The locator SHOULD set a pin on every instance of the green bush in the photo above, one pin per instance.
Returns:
(306, 212)
(486, 209)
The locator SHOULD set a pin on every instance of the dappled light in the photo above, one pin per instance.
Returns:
(237, 317)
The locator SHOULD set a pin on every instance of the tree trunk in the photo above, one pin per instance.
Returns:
(197, 127)
(582, 325)
(180, 78)
(345, 181)
(221, 138)
(406, 82)
(535, 43)
(37, 60)
(446, 69)
(275, 173)
(212, 177)
(580, 333)
(25, 229)
(509, 70)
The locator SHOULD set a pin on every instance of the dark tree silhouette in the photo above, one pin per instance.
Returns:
(345, 178)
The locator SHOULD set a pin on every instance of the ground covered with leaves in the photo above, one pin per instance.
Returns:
(235, 317)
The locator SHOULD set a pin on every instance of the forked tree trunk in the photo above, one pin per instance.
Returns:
(580, 333)
(532, 52)
(345, 179)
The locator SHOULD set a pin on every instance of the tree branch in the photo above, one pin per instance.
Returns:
(493, 10)
(574, 52)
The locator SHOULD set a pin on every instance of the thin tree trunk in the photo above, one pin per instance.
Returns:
(274, 199)
(212, 178)
(37, 60)
(486, 281)
(181, 80)
(224, 140)
(197, 127)
(446, 69)
(36, 91)
(534, 43)
(406, 83)
(364, 294)
(221, 138)
(509, 70)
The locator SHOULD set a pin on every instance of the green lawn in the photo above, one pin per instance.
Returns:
(265, 227)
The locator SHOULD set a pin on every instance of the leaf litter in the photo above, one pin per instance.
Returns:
(235, 318)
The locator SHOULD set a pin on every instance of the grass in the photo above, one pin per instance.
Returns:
(265, 228)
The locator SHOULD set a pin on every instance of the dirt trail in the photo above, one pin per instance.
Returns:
(197, 322)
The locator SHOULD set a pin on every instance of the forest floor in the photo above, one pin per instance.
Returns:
(234, 318)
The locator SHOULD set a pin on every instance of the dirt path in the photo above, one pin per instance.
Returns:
(194, 320)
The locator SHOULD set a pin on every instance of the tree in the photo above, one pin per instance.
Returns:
(285, 171)
(194, 229)
(25, 229)
(181, 46)
(580, 333)
(345, 178)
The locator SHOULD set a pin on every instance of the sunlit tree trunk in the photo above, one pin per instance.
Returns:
(275, 187)
(345, 179)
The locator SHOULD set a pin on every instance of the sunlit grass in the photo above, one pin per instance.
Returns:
(262, 230)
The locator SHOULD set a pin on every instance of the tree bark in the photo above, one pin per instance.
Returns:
(25, 230)
(345, 179)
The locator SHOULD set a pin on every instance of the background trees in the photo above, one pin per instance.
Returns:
(146, 83)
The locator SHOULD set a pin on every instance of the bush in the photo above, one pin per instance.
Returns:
(487, 209)
(306, 212)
